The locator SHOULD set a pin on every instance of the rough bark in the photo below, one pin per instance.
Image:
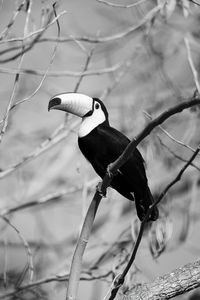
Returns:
(178, 282)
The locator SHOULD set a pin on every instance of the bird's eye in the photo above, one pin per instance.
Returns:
(97, 106)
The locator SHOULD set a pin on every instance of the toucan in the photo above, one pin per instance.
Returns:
(102, 144)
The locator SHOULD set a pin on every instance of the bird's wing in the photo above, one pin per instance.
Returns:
(103, 146)
(132, 176)
(113, 144)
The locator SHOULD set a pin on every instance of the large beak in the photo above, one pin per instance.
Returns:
(74, 103)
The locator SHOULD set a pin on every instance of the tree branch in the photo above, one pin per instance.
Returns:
(147, 130)
(165, 287)
(121, 5)
(56, 137)
(70, 73)
(169, 135)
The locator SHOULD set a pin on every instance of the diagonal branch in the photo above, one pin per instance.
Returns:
(168, 286)
(170, 136)
(175, 155)
(56, 137)
(4, 33)
(148, 129)
(48, 198)
(26, 246)
(70, 73)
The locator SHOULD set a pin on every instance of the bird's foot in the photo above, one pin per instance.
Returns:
(99, 190)
(109, 171)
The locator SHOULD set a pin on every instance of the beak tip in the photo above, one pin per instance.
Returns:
(54, 102)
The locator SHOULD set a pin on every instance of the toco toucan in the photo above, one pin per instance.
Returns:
(102, 144)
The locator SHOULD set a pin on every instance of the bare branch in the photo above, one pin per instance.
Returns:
(147, 130)
(86, 276)
(121, 5)
(169, 135)
(195, 2)
(88, 59)
(168, 286)
(16, 81)
(56, 137)
(191, 63)
(44, 76)
(65, 73)
(6, 116)
(12, 21)
(46, 199)
(5, 263)
(175, 154)
(39, 31)
(26, 245)
(117, 79)
(38, 34)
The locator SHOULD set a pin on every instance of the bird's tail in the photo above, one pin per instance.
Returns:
(143, 203)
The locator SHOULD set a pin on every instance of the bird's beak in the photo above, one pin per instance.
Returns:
(74, 103)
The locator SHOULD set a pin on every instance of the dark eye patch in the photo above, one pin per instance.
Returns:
(97, 106)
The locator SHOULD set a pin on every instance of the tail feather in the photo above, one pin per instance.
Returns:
(142, 205)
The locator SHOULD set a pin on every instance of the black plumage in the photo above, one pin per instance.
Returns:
(102, 146)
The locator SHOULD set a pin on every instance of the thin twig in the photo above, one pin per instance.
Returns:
(5, 263)
(195, 2)
(16, 81)
(45, 73)
(70, 73)
(169, 135)
(26, 245)
(36, 32)
(175, 154)
(46, 199)
(6, 116)
(121, 5)
(117, 79)
(56, 137)
(191, 63)
(39, 33)
(86, 276)
(88, 59)
(12, 20)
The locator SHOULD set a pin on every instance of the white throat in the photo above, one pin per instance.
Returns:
(91, 122)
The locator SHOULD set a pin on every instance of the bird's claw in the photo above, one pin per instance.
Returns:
(110, 173)
(99, 190)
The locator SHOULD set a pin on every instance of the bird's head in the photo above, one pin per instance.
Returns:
(91, 110)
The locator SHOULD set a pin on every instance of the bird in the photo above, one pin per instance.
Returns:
(102, 144)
